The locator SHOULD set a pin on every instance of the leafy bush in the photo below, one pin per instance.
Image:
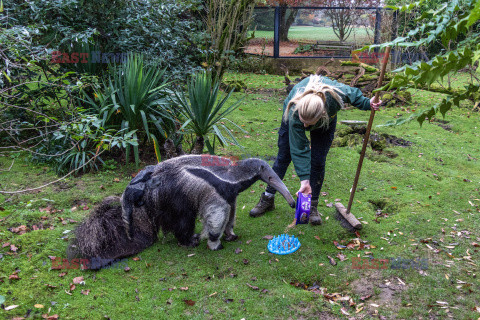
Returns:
(453, 20)
(167, 32)
(77, 146)
(303, 48)
(247, 63)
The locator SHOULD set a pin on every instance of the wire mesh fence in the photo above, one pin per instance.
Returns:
(324, 32)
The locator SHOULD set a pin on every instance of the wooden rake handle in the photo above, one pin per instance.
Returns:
(369, 127)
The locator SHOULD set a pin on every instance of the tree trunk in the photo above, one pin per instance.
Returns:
(198, 146)
(287, 17)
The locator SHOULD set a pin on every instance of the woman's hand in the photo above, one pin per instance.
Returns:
(375, 105)
(305, 187)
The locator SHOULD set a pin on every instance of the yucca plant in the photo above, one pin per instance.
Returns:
(139, 100)
(203, 112)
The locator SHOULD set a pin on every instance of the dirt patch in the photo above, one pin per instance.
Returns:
(378, 292)
(351, 136)
(63, 186)
(391, 140)
(384, 206)
(442, 124)
(445, 127)
(305, 311)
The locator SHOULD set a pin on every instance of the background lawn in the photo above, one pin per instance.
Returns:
(428, 197)
(299, 33)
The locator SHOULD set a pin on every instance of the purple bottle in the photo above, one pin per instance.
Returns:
(302, 211)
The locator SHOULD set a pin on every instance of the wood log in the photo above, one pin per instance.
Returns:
(367, 67)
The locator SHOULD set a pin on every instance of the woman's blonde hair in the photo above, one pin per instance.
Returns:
(311, 102)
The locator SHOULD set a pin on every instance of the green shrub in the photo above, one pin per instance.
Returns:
(77, 146)
(167, 32)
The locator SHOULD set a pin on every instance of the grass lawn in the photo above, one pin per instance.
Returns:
(317, 33)
(427, 199)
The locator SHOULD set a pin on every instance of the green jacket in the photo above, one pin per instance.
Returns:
(299, 143)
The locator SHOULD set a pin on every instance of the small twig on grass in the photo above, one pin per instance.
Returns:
(52, 182)
(9, 167)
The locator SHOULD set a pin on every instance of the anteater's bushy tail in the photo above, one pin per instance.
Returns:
(102, 235)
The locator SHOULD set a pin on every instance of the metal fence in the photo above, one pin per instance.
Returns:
(315, 32)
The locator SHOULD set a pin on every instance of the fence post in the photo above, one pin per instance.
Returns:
(378, 27)
(276, 34)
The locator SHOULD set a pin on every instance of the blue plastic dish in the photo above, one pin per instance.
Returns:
(283, 244)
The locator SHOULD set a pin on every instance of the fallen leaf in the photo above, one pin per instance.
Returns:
(72, 287)
(268, 237)
(116, 180)
(332, 261)
(238, 250)
(77, 280)
(341, 257)
(317, 237)
(126, 269)
(245, 261)
(339, 246)
(11, 307)
(62, 274)
(19, 230)
(189, 302)
(86, 292)
(14, 276)
(252, 287)
(13, 248)
(363, 298)
(38, 306)
(344, 311)
(136, 259)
